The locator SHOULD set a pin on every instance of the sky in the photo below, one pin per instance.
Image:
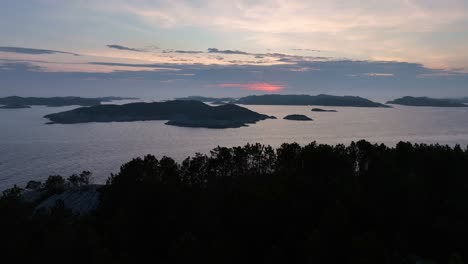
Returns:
(165, 48)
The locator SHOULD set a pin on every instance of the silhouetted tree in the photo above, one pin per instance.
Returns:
(54, 184)
(80, 180)
(34, 185)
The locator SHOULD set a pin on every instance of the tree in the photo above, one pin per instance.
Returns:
(34, 185)
(14, 192)
(55, 184)
(81, 180)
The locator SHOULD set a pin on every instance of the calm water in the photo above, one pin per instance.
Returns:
(30, 149)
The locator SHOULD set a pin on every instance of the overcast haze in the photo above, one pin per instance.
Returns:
(162, 49)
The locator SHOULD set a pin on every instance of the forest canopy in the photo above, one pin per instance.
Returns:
(360, 203)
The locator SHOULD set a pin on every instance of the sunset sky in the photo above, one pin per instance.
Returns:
(162, 49)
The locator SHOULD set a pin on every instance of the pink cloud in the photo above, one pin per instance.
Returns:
(259, 86)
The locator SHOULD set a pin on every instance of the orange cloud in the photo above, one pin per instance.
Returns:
(259, 86)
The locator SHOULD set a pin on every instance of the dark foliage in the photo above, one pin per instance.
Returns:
(77, 181)
(362, 203)
(34, 185)
(55, 184)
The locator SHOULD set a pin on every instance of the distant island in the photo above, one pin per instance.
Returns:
(206, 99)
(321, 99)
(463, 100)
(14, 106)
(298, 118)
(179, 113)
(426, 101)
(58, 101)
(323, 110)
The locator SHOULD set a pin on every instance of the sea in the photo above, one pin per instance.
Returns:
(30, 149)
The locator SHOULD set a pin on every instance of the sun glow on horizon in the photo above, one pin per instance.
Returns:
(257, 86)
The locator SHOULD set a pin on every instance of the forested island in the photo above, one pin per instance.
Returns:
(360, 203)
(292, 99)
(463, 100)
(426, 101)
(321, 99)
(14, 106)
(58, 101)
(297, 117)
(178, 112)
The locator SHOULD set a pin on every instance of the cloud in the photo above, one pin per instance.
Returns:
(11, 66)
(120, 47)
(242, 62)
(304, 69)
(287, 58)
(379, 74)
(33, 51)
(439, 74)
(433, 32)
(310, 50)
(330, 16)
(183, 51)
(372, 74)
(214, 50)
(339, 77)
(156, 66)
(256, 55)
(258, 86)
(151, 47)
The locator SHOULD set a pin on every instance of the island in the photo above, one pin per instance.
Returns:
(463, 100)
(58, 101)
(298, 117)
(14, 106)
(323, 110)
(179, 113)
(206, 99)
(321, 99)
(426, 101)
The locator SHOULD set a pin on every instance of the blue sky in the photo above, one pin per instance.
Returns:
(378, 49)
